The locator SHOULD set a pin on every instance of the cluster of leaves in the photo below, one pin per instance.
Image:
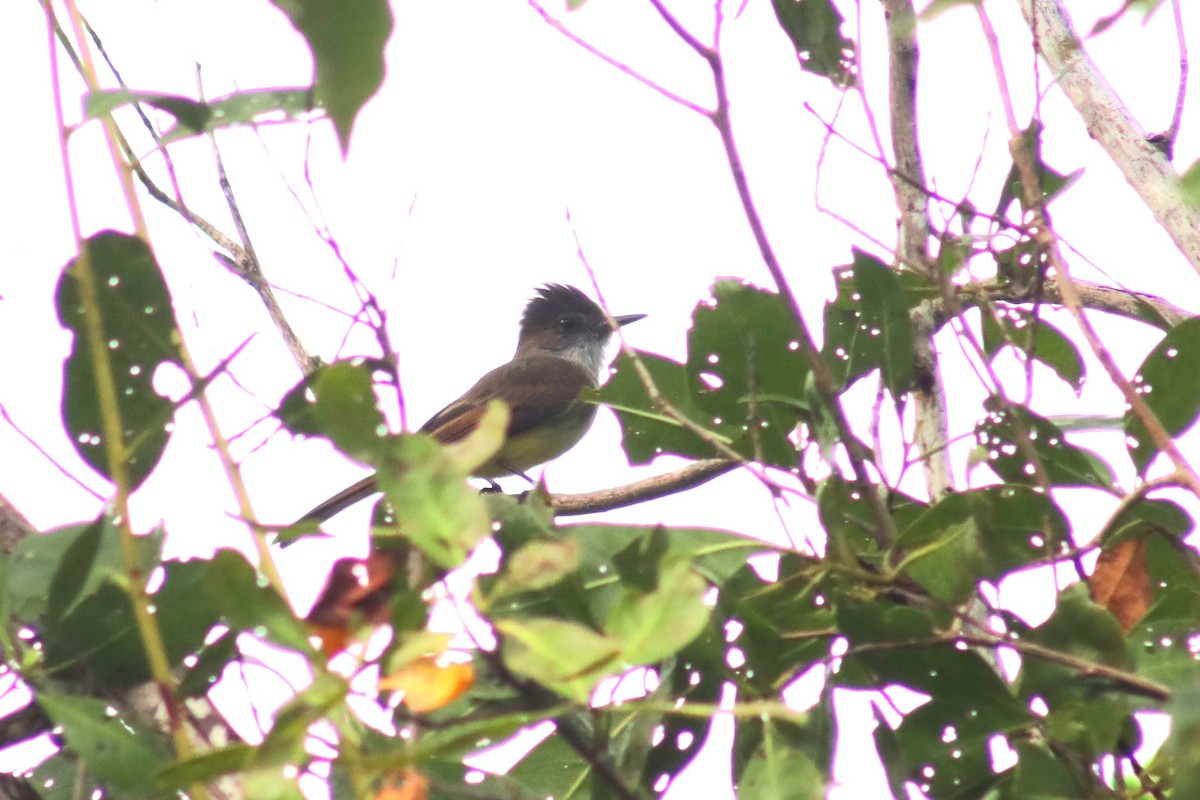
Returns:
(576, 607)
(573, 610)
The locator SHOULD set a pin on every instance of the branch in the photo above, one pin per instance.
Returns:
(249, 269)
(1087, 669)
(912, 200)
(691, 476)
(884, 529)
(1044, 235)
(1122, 302)
(1146, 168)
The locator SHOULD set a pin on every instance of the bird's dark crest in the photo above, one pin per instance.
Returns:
(552, 300)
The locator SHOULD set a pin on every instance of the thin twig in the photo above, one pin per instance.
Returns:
(1172, 133)
(883, 530)
(607, 59)
(251, 271)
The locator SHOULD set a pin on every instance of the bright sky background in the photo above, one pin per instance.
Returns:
(453, 206)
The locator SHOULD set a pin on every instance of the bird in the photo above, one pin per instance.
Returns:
(561, 344)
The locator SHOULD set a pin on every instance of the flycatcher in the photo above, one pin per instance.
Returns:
(560, 351)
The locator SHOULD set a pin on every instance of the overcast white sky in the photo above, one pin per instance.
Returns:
(452, 206)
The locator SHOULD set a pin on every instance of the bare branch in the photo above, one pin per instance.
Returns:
(691, 476)
(1145, 167)
(1087, 669)
(912, 200)
(1122, 302)
(1172, 133)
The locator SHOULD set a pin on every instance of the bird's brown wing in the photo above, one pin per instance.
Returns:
(537, 388)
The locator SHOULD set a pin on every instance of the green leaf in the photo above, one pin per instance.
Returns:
(695, 677)
(981, 534)
(537, 565)
(139, 331)
(654, 625)
(207, 766)
(120, 753)
(71, 576)
(72, 571)
(563, 656)
(194, 117)
(1082, 714)
(1189, 183)
(347, 42)
(1144, 518)
(867, 325)
(345, 409)
(432, 502)
(787, 624)
(1162, 641)
(640, 563)
(943, 744)
(782, 759)
(1050, 182)
(100, 636)
(744, 355)
(1043, 775)
(814, 26)
(1036, 338)
(285, 743)
(209, 665)
(647, 431)
(999, 433)
(552, 769)
(1183, 744)
(191, 114)
(1169, 382)
(248, 604)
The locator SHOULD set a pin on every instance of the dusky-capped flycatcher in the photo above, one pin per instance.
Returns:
(560, 351)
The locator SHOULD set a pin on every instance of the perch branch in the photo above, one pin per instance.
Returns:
(681, 480)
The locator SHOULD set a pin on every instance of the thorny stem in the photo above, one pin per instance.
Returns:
(110, 412)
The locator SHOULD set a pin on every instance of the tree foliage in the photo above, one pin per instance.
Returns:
(887, 594)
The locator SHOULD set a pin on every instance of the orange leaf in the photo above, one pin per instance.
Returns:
(1121, 583)
(406, 785)
(428, 684)
(357, 591)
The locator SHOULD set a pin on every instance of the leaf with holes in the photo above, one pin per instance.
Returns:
(1000, 436)
(1169, 382)
(648, 431)
(194, 117)
(139, 333)
(814, 26)
(744, 355)
(867, 325)
(1035, 338)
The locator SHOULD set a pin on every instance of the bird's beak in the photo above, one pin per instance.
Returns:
(627, 318)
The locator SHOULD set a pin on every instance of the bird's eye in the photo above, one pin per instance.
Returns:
(566, 323)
